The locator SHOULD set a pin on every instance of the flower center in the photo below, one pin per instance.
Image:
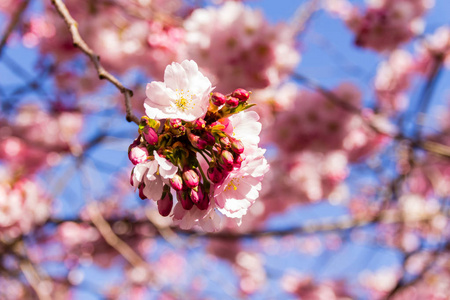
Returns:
(233, 184)
(184, 100)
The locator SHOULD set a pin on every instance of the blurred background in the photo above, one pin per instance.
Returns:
(353, 100)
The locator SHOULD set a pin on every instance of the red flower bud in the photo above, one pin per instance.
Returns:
(176, 182)
(215, 175)
(238, 160)
(196, 195)
(232, 102)
(190, 178)
(237, 146)
(141, 192)
(225, 142)
(209, 138)
(226, 160)
(150, 135)
(196, 141)
(218, 99)
(204, 202)
(241, 94)
(165, 205)
(184, 199)
(199, 124)
(175, 123)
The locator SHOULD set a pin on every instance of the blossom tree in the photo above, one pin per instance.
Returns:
(170, 149)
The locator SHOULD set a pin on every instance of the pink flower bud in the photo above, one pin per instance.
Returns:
(175, 123)
(204, 202)
(238, 160)
(196, 195)
(176, 182)
(141, 192)
(190, 178)
(232, 102)
(138, 154)
(209, 138)
(150, 135)
(196, 141)
(184, 199)
(218, 99)
(241, 94)
(165, 205)
(199, 124)
(225, 142)
(215, 175)
(237, 146)
(226, 160)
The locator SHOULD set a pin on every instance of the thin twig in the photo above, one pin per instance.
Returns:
(12, 24)
(32, 276)
(102, 73)
(425, 97)
(111, 238)
(322, 226)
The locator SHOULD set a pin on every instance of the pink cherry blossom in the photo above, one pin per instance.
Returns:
(184, 93)
(241, 187)
(153, 174)
(246, 128)
(392, 81)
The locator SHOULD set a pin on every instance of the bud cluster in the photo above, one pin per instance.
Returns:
(183, 144)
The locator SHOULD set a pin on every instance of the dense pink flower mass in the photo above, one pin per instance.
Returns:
(195, 128)
(23, 205)
(236, 46)
(385, 24)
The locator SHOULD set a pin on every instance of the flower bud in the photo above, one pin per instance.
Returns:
(176, 182)
(165, 205)
(215, 175)
(196, 195)
(209, 138)
(150, 135)
(226, 160)
(218, 99)
(204, 202)
(175, 123)
(232, 102)
(141, 192)
(196, 141)
(199, 124)
(137, 154)
(237, 146)
(184, 199)
(238, 160)
(225, 142)
(190, 178)
(241, 94)
(179, 131)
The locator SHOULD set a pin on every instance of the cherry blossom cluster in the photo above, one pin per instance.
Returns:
(236, 46)
(385, 24)
(36, 138)
(23, 205)
(199, 144)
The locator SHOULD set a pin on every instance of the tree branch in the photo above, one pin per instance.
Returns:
(12, 24)
(102, 73)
